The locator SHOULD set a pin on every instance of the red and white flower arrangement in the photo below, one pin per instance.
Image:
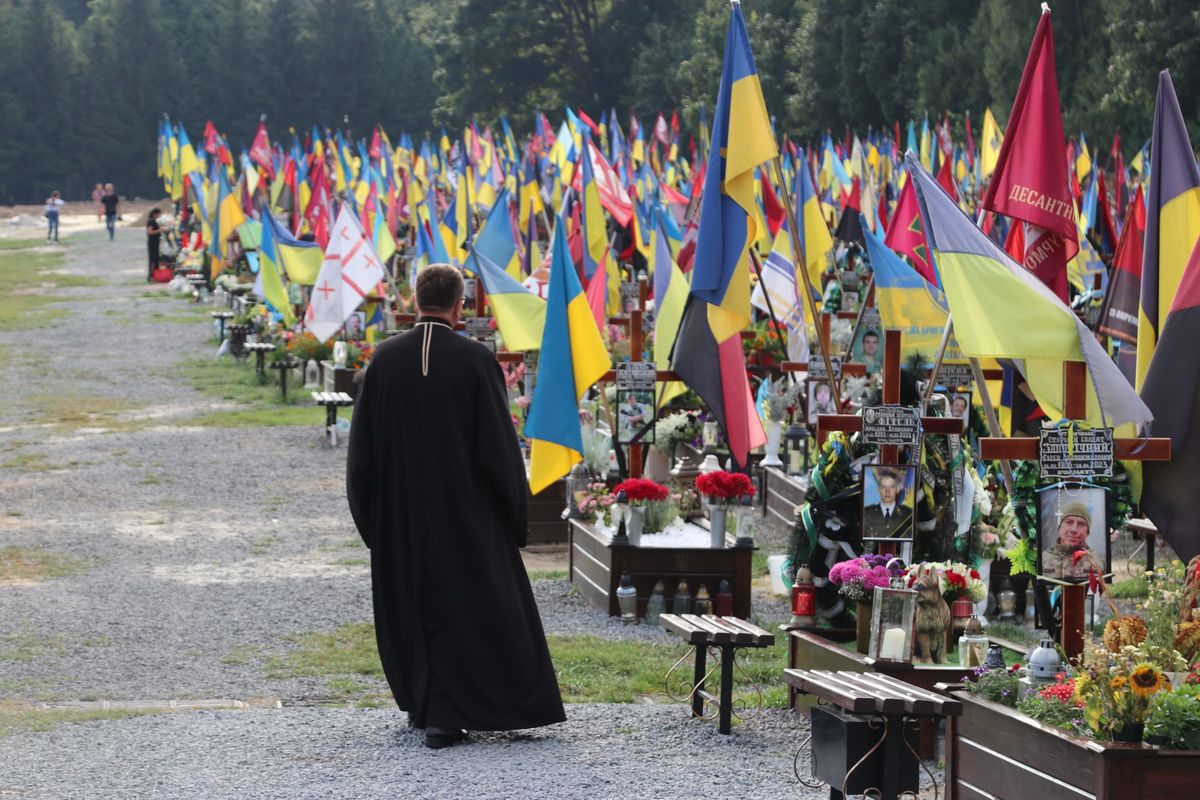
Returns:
(724, 488)
(955, 579)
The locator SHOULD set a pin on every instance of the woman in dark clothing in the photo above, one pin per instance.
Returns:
(153, 237)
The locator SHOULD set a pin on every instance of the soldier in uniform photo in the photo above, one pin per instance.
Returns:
(891, 517)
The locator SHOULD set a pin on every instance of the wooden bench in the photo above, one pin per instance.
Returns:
(260, 350)
(728, 634)
(285, 365)
(882, 698)
(332, 401)
(221, 317)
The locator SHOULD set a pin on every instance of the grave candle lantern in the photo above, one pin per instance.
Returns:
(892, 612)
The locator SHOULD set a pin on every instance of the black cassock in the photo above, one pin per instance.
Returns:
(437, 488)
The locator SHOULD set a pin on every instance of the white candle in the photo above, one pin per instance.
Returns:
(892, 648)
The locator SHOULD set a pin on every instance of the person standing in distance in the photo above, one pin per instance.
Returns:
(153, 239)
(110, 201)
(54, 205)
(436, 486)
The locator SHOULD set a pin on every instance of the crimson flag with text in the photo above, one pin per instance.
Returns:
(1030, 182)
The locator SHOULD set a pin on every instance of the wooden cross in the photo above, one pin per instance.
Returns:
(1026, 448)
(851, 423)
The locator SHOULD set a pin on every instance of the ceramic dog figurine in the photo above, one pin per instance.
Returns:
(932, 620)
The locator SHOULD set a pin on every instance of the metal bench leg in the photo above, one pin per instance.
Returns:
(698, 679)
(331, 423)
(728, 654)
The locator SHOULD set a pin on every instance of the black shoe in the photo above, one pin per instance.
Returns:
(439, 738)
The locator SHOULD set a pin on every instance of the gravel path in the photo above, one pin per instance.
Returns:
(199, 553)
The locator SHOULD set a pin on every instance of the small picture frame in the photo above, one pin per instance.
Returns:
(635, 416)
(888, 497)
(960, 406)
(355, 325)
(469, 294)
(1071, 517)
(850, 300)
(867, 349)
(819, 399)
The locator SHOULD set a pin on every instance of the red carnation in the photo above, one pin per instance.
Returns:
(641, 490)
(724, 487)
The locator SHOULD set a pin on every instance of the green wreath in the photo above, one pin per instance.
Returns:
(1027, 477)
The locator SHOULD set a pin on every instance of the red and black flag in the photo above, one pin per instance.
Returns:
(1119, 316)
(1172, 391)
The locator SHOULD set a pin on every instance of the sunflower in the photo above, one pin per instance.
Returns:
(1117, 683)
(1144, 681)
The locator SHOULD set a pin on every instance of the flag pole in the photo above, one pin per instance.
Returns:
(798, 258)
(992, 421)
(937, 362)
(754, 259)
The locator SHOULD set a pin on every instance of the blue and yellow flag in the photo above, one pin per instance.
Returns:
(270, 273)
(495, 241)
(1002, 310)
(299, 259)
(573, 357)
(670, 297)
(520, 314)
(741, 140)
(813, 233)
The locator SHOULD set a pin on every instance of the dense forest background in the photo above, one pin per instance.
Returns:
(83, 82)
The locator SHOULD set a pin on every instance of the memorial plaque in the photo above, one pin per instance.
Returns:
(531, 367)
(851, 280)
(871, 319)
(816, 367)
(636, 375)
(631, 295)
(898, 425)
(955, 376)
(1082, 453)
(478, 327)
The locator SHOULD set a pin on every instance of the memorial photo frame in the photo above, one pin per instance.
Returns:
(818, 399)
(1071, 517)
(888, 502)
(960, 406)
(635, 416)
(867, 348)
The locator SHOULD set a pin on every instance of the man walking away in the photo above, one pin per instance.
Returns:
(110, 201)
(436, 485)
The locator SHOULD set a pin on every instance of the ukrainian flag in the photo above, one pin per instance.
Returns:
(906, 301)
(1001, 310)
(269, 270)
(301, 260)
(670, 297)
(520, 314)
(495, 241)
(1172, 219)
(813, 233)
(573, 357)
(742, 140)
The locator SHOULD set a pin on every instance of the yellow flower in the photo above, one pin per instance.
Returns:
(1117, 683)
(1144, 681)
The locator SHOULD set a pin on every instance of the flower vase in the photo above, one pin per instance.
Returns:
(658, 465)
(774, 438)
(634, 523)
(716, 525)
(862, 621)
(985, 574)
(1129, 733)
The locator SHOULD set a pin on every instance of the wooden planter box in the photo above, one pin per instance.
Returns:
(993, 751)
(597, 565)
(338, 379)
(781, 494)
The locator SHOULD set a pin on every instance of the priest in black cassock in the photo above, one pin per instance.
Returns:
(437, 488)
